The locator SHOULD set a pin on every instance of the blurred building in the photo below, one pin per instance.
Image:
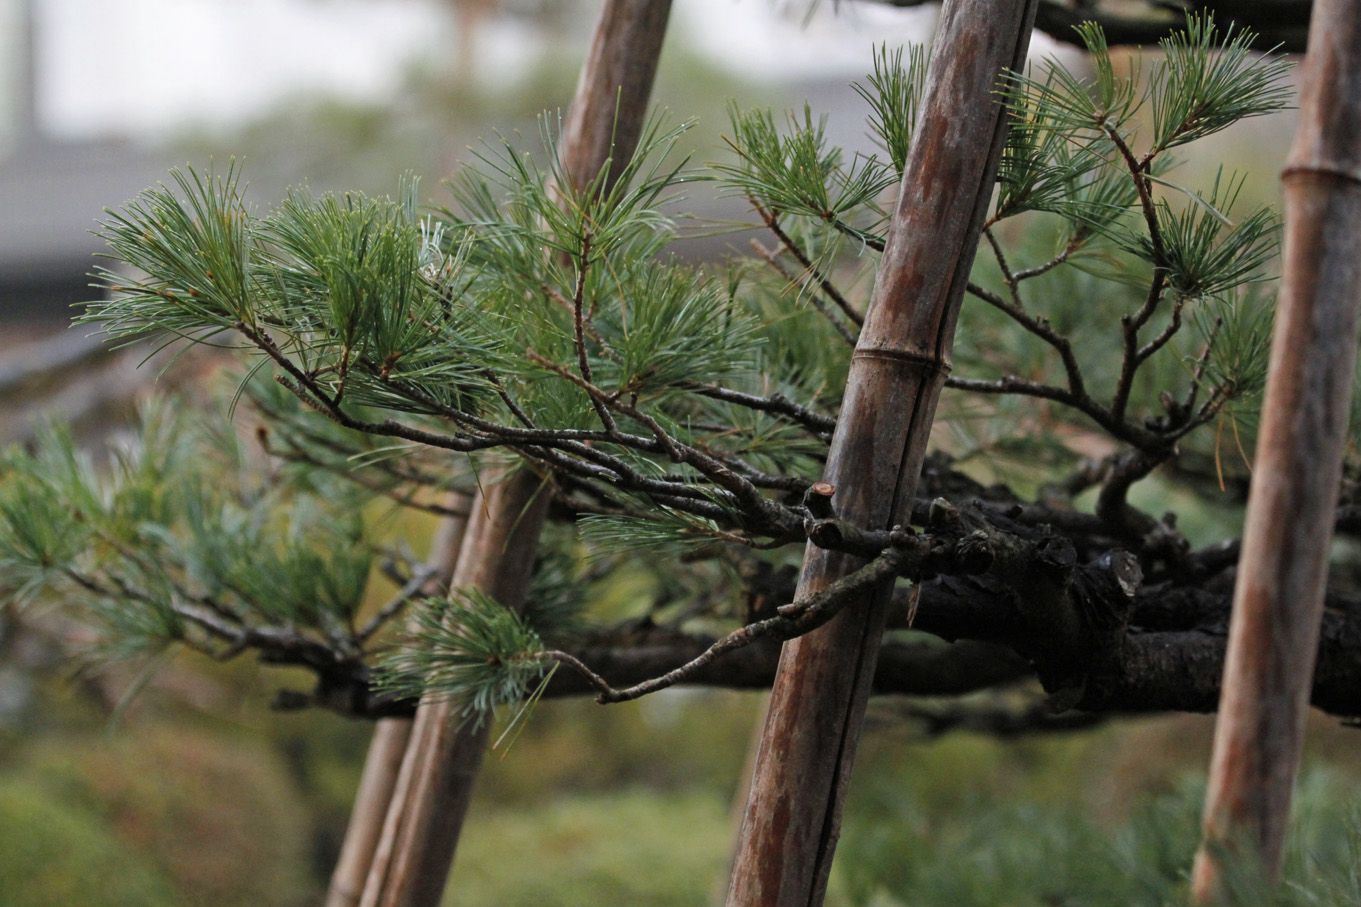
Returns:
(95, 94)
(51, 190)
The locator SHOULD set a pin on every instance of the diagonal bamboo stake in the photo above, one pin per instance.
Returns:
(818, 702)
(388, 745)
(1278, 597)
(382, 762)
(434, 785)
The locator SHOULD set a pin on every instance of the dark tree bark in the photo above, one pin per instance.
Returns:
(1161, 650)
(803, 764)
(1281, 24)
(1279, 596)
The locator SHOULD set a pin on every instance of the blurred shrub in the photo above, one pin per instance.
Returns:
(218, 817)
(996, 851)
(694, 740)
(55, 852)
(622, 849)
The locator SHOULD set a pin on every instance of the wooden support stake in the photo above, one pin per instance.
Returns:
(1278, 597)
(388, 745)
(803, 764)
(434, 786)
(435, 783)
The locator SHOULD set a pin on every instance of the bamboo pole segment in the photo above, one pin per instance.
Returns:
(388, 745)
(382, 762)
(434, 785)
(609, 108)
(1278, 597)
(803, 764)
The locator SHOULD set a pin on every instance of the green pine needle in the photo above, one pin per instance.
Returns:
(471, 649)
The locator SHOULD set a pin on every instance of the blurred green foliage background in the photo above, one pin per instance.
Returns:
(625, 805)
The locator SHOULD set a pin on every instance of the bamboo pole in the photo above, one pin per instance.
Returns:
(388, 745)
(381, 764)
(803, 764)
(1278, 597)
(435, 783)
(434, 786)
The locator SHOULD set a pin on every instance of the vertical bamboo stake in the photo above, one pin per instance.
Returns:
(818, 702)
(1278, 597)
(388, 745)
(434, 786)
(435, 783)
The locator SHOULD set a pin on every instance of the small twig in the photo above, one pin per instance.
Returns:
(1073, 245)
(1139, 173)
(511, 405)
(407, 499)
(1130, 325)
(414, 586)
(817, 303)
(1120, 429)
(587, 326)
(810, 614)
(775, 404)
(779, 519)
(1198, 371)
(1012, 384)
(1007, 275)
(309, 392)
(1158, 342)
(827, 286)
(578, 322)
(1042, 329)
(1208, 410)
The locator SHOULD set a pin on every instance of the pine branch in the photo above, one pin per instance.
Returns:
(769, 258)
(803, 617)
(773, 224)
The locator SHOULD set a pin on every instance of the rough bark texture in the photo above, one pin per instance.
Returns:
(1162, 651)
(442, 759)
(1280, 24)
(1279, 596)
(1080, 622)
(792, 819)
(390, 735)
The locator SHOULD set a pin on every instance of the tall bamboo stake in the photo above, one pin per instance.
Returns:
(388, 745)
(1278, 597)
(382, 762)
(818, 702)
(434, 785)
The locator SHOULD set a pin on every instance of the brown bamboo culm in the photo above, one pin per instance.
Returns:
(803, 763)
(1278, 595)
(434, 785)
(388, 744)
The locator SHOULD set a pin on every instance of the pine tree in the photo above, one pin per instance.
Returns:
(678, 417)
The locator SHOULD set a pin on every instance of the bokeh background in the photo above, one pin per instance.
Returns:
(193, 791)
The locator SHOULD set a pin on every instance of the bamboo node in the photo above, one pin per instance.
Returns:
(1322, 168)
(924, 361)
